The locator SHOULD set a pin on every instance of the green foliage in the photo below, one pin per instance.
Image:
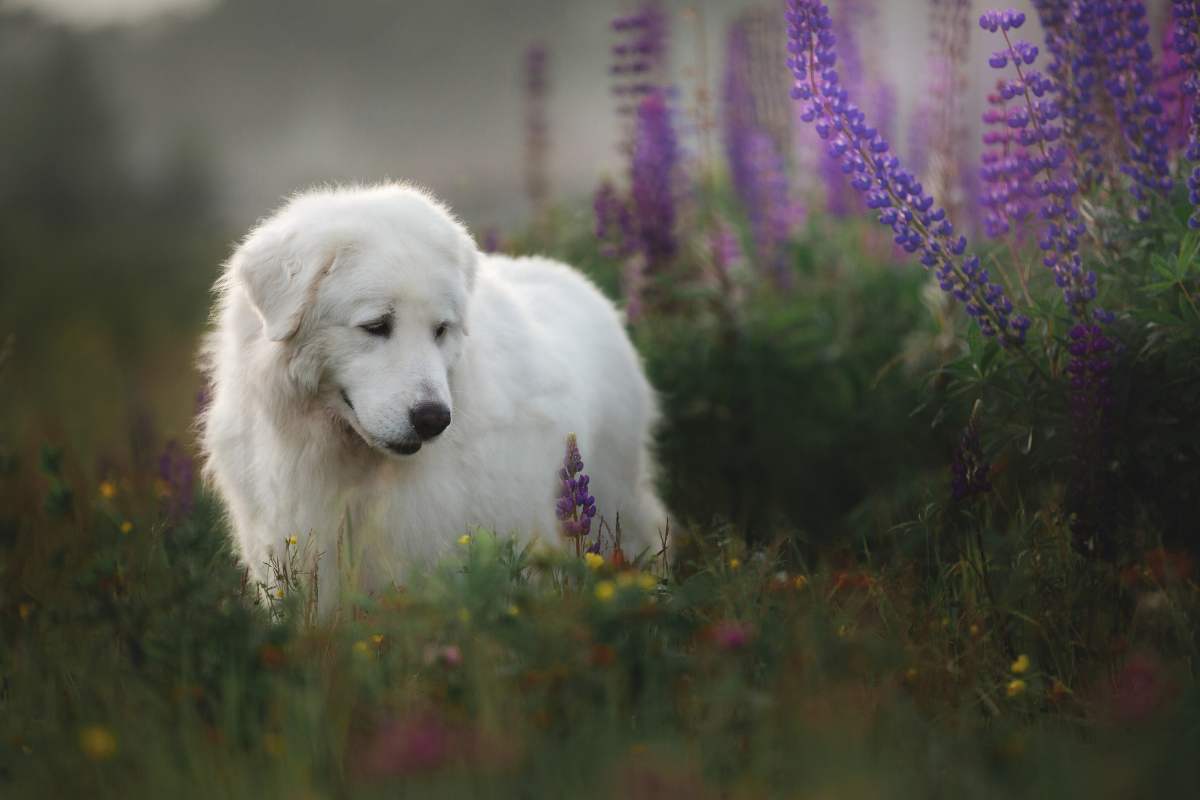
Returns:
(795, 415)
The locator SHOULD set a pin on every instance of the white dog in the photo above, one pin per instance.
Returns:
(374, 377)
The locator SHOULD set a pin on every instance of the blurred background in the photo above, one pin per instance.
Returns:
(141, 137)
(249, 100)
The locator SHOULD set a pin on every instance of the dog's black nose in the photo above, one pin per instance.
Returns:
(429, 419)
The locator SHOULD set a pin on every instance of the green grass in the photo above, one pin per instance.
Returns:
(140, 665)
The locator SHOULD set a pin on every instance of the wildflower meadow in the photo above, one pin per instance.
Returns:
(929, 372)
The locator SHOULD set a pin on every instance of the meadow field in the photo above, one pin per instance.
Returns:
(933, 482)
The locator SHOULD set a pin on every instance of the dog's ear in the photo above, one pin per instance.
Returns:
(280, 278)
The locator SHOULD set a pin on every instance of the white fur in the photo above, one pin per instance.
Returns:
(532, 353)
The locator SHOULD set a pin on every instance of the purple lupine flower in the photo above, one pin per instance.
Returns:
(176, 473)
(855, 21)
(1119, 30)
(755, 49)
(1005, 169)
(901, 201)
(654, 176)
(537, 183)
(614, 222)
(969, 471)
(1036, 119)
(756, 167)
(639, 57)
(1187, 47)
(1074, 69)
(575, 507)
(1102, 46)
(1039, 168)
(773, 212)
(840, 197)
(1089, 368)
(1177, 103)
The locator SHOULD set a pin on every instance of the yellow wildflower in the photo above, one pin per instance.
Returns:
(361, 648)
(513, 611)
(377, 639)
(799, 582)
(605, 590)
(465, 539)
(280, 592)
(97, 743)
(735, 564)
(593, 560)
(291, 541)
(24, 609)
(126, 527)
(1021, 665)
(646, 581)
(108, 490)
(1015, 687)
(974, 630)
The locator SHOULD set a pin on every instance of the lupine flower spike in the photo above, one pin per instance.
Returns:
(1033, 165)
(756, 167)
(1187, 48)
(575, 507)
(1121, 31)
(1074, 73)
(1036, 168)
(654, 179)
(901, 201)
(1177, 103)
(1102, 48)
(969, 471)
(1042, 169)
(639, 58)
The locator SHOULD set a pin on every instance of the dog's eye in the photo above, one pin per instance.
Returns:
(440, 330)
(381, 327)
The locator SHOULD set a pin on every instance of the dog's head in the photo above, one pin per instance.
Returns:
(366, 292)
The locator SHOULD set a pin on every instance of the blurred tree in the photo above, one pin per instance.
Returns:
(63, 167)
